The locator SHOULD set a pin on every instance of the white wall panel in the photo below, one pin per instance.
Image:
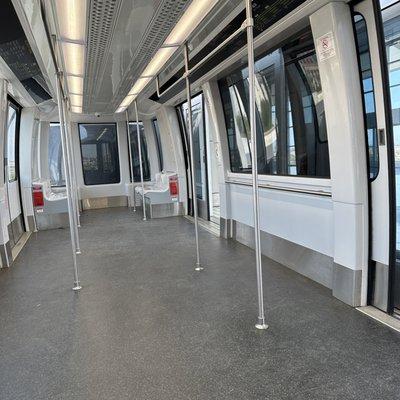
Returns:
(300, 218)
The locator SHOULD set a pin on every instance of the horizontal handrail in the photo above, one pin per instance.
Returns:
(204, 60)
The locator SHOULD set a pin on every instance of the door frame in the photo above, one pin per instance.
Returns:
(11, 102)
(187, 154)
(383, 75)
(390, 153)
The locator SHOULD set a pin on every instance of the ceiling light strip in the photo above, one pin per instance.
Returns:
(71, 16)
(194, 14)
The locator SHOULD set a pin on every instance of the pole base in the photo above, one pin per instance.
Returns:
(77, 287)
(198, 267)
(261, 325)
(145, 219)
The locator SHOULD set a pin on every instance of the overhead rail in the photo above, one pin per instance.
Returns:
(66, 148)
(202, 62)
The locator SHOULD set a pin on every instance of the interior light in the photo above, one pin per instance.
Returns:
(158, 60)
(74, 55)
(120, 110)
(72, 19)
(75, 84)
(194, 14)
(128, 100)
(76, 100)
(139, 85)
(77, 110)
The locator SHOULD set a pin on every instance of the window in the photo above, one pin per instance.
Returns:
(12, 142)
(158, 144)
(135, 152)
(99, 147)
(290, 116)
(55, 156)
(364, 60)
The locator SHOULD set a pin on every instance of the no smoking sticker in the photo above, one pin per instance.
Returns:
(326, 46)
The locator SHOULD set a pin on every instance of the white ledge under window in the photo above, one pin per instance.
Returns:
(300, 184)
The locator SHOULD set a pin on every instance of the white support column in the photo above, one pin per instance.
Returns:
(340, 81)
(217, 120)
(174, 158)
(5, 249)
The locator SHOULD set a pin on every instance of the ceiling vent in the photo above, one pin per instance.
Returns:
(105, 18)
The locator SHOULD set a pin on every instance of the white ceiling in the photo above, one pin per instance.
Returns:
(123, 35)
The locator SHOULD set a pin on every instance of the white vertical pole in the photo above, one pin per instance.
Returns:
(73, 166)
(71, 174)
(140, 160)
(198, 266)
(77, 285)
(133, 199)
(256, 206)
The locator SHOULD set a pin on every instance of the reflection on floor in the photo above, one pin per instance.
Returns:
(146, 326)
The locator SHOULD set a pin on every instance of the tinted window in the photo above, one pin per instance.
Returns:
(135, 152)
(364, 60)
(158, 144)
(55, 157)
(99, 146)
(290, 115)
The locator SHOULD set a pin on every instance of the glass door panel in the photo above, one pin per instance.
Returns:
(199, 144)
(16, 224)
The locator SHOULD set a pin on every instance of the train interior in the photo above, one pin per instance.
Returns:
(145, 254)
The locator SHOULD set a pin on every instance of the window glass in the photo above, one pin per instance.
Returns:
(369, 96)
(158, 144)
(199, 143)
(55, 157)
(135, 153)
(99, 147)
(11, 143)
(290, 116)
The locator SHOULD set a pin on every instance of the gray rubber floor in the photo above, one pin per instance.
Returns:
(146, 326)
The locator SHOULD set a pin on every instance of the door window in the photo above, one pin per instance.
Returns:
(100, 159)
(12, 172)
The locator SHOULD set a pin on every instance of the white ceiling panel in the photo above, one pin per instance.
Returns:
(123, 35)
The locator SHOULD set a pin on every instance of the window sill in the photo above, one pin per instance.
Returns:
(316, 186)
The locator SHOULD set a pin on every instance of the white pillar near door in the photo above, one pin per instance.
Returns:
(340, 81)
